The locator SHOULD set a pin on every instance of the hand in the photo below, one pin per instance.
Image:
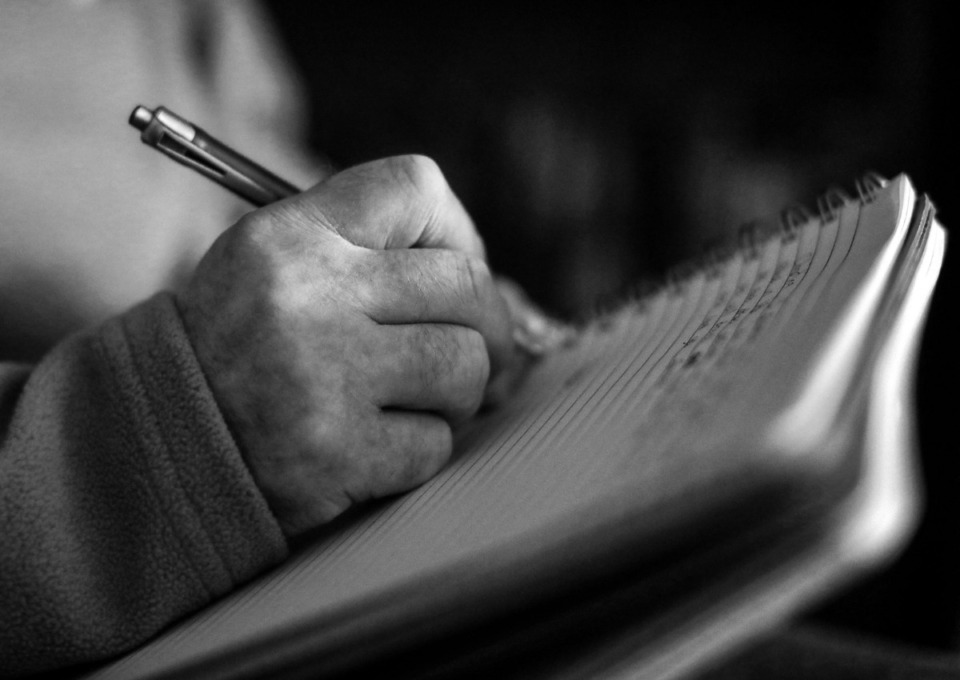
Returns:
(344, 331)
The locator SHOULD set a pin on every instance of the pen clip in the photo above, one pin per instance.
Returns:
(175, 138)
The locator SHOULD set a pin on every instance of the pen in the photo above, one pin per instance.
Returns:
(189, 145)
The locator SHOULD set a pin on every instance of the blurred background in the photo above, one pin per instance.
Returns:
(598, 145)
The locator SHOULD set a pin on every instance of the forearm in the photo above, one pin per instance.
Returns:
(124, 502)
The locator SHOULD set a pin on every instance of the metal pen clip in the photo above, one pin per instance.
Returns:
(188, 145)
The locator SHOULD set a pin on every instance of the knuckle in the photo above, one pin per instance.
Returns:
(433, 451)
(432, 353)
(453, 364)
(474, 279)
(413, 468)
(406, 456)
(472, 371)
(425, 449)
(420, 174)
(463, 369)
(253, 230)
(252, 245)
(439, 446)
(235, 245)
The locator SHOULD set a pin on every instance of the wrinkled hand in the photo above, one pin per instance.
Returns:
(344, 331)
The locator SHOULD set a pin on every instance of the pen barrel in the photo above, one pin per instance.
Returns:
(253, 181)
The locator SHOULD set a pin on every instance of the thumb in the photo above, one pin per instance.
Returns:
(397, 202)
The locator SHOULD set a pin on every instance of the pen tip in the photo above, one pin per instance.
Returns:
(140, 117)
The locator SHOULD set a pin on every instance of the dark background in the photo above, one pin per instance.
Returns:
(597, 145)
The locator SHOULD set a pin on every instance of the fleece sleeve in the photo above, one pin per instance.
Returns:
(124, 501)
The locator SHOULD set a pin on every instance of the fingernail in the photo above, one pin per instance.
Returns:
(538, 335)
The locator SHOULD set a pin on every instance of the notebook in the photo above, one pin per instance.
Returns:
(692, 467)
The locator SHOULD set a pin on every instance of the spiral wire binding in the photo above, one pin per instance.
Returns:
(750, 238)
(869, 185)
(831, 202)
(792, 218)
(750, 235)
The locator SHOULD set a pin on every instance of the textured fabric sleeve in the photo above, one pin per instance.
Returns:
(124, 502)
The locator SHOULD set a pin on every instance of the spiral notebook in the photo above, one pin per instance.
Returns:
(691, 468)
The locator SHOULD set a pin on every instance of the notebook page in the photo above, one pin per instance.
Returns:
(640, 379)
(869, 260)
(796, 261)
(724, 280)
(589, 419)
(768, 258)
(700, 365)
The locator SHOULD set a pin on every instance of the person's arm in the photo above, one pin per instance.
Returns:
(320, 356)
(124, 501)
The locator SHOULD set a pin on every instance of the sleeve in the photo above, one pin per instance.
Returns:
(124, 501)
